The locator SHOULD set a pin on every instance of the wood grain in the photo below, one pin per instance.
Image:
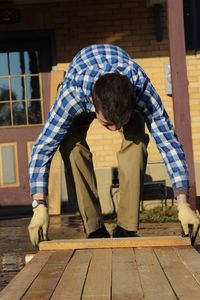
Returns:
(191, 260)
(71, 284)
(46, 281)
(126, 283)
(154, 282)
(98, 281)
(23, 280)
(115, 243)
(181, 280)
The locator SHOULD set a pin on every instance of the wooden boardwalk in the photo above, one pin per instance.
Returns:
(109, 272)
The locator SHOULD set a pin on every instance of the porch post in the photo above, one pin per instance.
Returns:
(180, 87)
(55, 176)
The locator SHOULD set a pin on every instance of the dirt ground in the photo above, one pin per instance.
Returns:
(15, 244)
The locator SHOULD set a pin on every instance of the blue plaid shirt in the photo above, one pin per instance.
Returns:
(74, 97)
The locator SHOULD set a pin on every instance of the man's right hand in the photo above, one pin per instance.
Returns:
(38, 226)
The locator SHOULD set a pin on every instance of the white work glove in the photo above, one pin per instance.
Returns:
(38, 226)
(187, 216)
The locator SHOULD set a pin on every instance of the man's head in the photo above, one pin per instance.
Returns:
(114, 99)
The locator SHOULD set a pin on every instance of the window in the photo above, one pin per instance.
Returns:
(192, 24)
(8, 165)
(20, 88)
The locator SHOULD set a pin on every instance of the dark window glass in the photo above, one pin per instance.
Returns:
(5, 118)
(32, 87)
(34, 112)
(19, 113)
(17, 88)
(4, 64)
(197, 20)
(4, 89)
(16, 63)
(31, 62)
(192, 24)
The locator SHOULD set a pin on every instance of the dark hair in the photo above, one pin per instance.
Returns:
(113, 95)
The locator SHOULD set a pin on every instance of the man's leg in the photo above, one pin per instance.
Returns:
(75, 151)
(132, 159)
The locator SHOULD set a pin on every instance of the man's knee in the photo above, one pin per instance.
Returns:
(80, 151)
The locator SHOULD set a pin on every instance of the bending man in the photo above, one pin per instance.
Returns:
(103, 82)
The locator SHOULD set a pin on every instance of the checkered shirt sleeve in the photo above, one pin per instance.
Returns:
(162, 131)
(65, 109)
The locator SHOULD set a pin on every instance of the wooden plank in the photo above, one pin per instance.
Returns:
(125, 278)
(22, 281)
(29, 257)
(191, 259)
(98, 281)
(181, 280)
(115, 243)
(54, 198)
(45, 283)
(72, 281)
(154, 282)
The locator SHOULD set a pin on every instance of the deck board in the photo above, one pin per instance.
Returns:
(191, 259)
(181, 280)
(98, 281)
(147, 263)
(46, 281)
(23, 280)
(125, 278)
(72, 282)
(149, 273)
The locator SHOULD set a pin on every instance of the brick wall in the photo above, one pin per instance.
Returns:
(193, 67)
(127, 23)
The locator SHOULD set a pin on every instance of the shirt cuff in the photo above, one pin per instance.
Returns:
(38, 190)
(182, 190)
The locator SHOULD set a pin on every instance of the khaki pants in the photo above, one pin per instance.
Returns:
(132, 159)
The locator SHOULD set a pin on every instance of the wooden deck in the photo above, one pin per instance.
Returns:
(109, 272)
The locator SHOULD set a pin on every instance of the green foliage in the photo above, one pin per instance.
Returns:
(159, 214)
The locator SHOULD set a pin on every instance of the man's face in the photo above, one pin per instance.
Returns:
(108, 124)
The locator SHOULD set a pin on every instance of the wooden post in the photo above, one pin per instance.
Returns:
(54, 198)
(180, 87)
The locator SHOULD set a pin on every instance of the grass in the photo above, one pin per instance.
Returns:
(156, 214)
(159, 214)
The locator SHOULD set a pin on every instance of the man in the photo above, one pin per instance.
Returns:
(104, 82)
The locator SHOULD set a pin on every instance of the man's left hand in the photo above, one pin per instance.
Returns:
(187, 216)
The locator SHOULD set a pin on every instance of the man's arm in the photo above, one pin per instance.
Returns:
(58, 122)
(161, 128)
(56, 126)
(162, 131)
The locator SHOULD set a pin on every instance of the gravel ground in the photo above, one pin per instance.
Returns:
(15, 244)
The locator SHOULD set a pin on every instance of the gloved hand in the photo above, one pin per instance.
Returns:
(38, 226)
(187, 216)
